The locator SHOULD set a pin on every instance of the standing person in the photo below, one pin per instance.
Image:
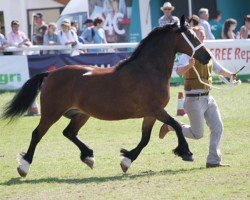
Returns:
(228, 29)
(216, 25)
(194, 20)
(51, 38)
(245, 29)
(199, 104)
(40, 29)
(168, 18)
(67, 36)
(99, 37)
(204, 16)
(16, 37)
(88, 33)
(95, 34)
(3, 42)
(75, 28)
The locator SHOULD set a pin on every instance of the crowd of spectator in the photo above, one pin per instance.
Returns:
(214, 29)
(68, 34)
(93, 33)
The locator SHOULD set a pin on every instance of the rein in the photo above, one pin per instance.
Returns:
(194, 49)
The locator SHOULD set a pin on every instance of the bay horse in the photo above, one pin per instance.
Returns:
(136, 88)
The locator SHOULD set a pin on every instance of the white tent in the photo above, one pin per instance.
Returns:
(75, 6)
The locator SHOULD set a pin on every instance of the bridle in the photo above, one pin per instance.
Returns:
(194, 49)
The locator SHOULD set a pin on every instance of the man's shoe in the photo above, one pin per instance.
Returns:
(163, 131)
(211, 165)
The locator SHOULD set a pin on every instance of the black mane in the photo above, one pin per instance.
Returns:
(138, 49)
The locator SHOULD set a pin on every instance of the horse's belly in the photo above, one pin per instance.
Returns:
(111, 111)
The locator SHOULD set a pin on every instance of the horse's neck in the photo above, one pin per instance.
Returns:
(158, 56)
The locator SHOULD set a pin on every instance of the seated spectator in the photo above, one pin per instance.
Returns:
(17, 38)
(51, 38)
(204, 16)
(194, 21)
(228, 29)
(245, 29)
(67, 36)
(40, 29)
(216, 25)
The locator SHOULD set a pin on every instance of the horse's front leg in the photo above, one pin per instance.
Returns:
(182, 149)
(129, 156)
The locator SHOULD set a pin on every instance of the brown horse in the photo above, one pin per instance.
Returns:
(138, 87)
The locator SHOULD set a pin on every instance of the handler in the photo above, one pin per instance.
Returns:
(199, 104)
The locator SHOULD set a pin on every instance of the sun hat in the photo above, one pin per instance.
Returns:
(15, 22)
(66, 22)
(38, 15)
(167, 5)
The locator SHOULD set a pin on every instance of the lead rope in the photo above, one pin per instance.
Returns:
(194, 49)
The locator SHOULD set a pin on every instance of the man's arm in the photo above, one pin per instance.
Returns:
(182, 70)
(219, 69)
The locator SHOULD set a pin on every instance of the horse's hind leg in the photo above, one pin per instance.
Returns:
(182, 149)
(130, 156)
(71, 132)
(25, 159)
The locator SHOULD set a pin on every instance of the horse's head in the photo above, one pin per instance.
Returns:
(188, 43)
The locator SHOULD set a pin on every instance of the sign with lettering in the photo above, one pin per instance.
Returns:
(231, 54)
(14, 72)
(116, 15)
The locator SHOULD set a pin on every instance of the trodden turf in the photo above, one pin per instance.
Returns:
(58, 173)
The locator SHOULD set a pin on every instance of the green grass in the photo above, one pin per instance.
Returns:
(58, 173)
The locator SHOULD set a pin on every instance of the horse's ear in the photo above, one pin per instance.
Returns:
(182, 20)
(183, 27)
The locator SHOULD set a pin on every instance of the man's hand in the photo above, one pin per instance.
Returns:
(191, 63)
(233, 77)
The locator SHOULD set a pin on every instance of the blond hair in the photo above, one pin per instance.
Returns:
(198, 29)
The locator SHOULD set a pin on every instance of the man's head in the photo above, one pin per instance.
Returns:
(52, 27)
(65, 25)
(38, 17)
(199, 32)
(15, 26)
(194, 20)
(217, 15)
(204, 14)
(167, 8)
(88, 23)
(247, 21)
(98, 22)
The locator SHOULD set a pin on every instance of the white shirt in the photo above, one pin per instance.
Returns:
(184, 61)
(168, 20)
(207, 27)
(65, 37)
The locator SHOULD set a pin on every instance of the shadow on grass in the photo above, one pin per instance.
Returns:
(122, 177)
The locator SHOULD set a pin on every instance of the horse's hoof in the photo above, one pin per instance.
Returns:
(188, 157)
(89, 161)
(21, 172)
(23, 167)
(125, 164)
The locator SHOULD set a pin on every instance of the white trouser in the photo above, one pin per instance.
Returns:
(198, 109)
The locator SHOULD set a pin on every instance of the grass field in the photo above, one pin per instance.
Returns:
(57, 172)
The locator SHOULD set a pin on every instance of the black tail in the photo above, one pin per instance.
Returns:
(24, 98)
